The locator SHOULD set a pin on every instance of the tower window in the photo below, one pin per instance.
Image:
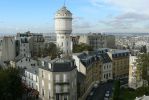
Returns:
(62, 43)
(67, 43)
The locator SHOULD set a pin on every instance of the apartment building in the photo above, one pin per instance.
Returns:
(120, 60)
(58, 79)
(30, 78)
(106, 67)
(26, 62)
(7, 48)
(135, 77)
(30, 44)
(88, 67)
(98, 40)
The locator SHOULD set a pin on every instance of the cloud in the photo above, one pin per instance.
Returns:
(133, 17)
(127, 22)
(124, 5)
(83, 25)
(2, 22)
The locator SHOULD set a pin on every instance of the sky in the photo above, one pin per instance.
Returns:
(88, 15)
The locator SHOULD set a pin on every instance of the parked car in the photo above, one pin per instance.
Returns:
(107, 95)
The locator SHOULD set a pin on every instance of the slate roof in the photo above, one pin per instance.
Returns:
(104, 57)
(59, 65)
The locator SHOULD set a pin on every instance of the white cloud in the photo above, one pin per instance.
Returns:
(133, 15)
(127, 22)
(140, 6)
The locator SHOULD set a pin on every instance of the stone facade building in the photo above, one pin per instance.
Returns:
(7, 48)
(57, 79)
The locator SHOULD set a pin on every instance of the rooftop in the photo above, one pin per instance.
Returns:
(116, 51)
(63, 12)
(58, 64)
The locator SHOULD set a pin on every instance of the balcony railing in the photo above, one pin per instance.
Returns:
(62, 81)
(62, 90)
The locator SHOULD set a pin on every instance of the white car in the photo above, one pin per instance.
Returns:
(107, 95)
(91, 93)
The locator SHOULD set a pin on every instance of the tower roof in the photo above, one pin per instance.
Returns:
(63, 12)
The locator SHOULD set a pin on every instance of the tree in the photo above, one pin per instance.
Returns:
(10, 84)
(116, 90)
(81, 47)
(143, 64)
(143, 49)
(51, 50)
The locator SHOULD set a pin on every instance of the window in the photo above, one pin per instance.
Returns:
(32, 85)
(42, 83)
(49, 86)
(65, 97)
(36, 87)
(29, 84)
(57, 77)
(49, 95)
(49, 77)
(57, 97)
(42, 74)
(62, 43)
(42, 63)
(67, 43)
(42, 92)
(65, 78)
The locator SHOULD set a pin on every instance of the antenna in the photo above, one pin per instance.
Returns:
(64, 2)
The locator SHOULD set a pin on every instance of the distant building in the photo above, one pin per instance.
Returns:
(75, 39)
(135, 77)
(23, 44)
(31, 44)
(7, 48)
(98, 40)
(57, 79)
(49, 39)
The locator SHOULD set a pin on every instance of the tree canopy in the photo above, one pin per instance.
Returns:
(143, 64)
(116, 90)
(50, 50)
(81, 47)
(10, 84)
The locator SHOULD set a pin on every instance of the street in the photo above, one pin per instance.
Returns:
(99, 92)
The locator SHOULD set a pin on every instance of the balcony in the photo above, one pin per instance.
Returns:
(62, 90)
(61, 82)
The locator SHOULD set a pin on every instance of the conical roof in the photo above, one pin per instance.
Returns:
(63, 12)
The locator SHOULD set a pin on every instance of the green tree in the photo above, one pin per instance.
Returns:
(81, 47)
(143, 49)
(52, 50)
(116, 90)
(143, 64)
(10, 84)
